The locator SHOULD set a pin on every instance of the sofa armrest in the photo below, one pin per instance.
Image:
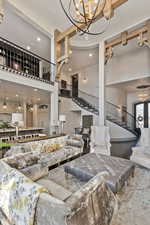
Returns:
(50, 211)
(93, 204)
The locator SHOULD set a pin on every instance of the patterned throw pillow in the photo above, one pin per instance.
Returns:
(51, 148)
(21, 161)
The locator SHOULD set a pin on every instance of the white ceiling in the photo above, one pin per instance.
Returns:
(22, 33)
(9, 90)
(50, 15)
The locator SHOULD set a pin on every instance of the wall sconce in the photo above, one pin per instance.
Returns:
(4, 105)
(85, 80)
(19, 107)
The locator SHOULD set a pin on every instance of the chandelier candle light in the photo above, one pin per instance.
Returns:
(83, 13)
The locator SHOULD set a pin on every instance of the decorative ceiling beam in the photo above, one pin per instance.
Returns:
(148, 32)
(124, 38)
(129, 36)
(70, 32)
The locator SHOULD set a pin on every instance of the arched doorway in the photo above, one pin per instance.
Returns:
(142, 113)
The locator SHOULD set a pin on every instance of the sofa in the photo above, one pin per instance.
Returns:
(91, 204)
(35, 158)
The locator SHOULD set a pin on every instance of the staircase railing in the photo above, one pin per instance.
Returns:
(123, 118)
(17, 60)
(91, 100)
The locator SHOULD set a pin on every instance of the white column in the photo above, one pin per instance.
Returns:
(101, 84)
(25, 114)
(53, 69)
(41, 69)
(100, 138)
(54, 109)
(35, 115)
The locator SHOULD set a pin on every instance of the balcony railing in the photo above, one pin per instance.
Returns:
(16, 59)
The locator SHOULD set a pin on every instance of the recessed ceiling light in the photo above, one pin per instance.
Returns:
(69, 69)
(35, 89)
(38, 39)
(16, 95)
(28, 47)
(90, 54)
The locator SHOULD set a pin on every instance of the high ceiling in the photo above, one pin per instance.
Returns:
(15, 29)
(50, 15)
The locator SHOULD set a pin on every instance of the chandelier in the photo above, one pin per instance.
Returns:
(83, 13)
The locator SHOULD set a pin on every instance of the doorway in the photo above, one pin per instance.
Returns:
(75, 83)
(142, 114)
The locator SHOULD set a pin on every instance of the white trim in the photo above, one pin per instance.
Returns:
(124, 81)
(18, 79)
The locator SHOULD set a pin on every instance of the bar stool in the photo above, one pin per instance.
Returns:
(5, 139)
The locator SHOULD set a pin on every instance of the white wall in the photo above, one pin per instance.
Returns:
(92, 84)
(17, 30)
(128, 63)
(91, 73)
(117, 131)
(43, 119)
(73, 118)
(115, 95)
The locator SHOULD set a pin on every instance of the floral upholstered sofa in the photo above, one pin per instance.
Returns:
(34, 158)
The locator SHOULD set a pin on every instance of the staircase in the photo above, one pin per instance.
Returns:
(85, 105)
(122, 118)
(113, 114)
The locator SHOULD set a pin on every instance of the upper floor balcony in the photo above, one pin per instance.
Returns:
(17, 60)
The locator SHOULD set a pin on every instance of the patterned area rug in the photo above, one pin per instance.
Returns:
(135, 201)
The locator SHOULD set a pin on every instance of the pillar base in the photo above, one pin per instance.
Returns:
(100, 140)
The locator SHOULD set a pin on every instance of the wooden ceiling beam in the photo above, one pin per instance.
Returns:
(129, 36)
(148, 31)
(70, 32)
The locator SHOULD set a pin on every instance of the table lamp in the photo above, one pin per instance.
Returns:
(17, 121)
(62, 120)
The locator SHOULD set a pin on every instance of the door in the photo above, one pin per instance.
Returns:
(75, 85)
(142, 114)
